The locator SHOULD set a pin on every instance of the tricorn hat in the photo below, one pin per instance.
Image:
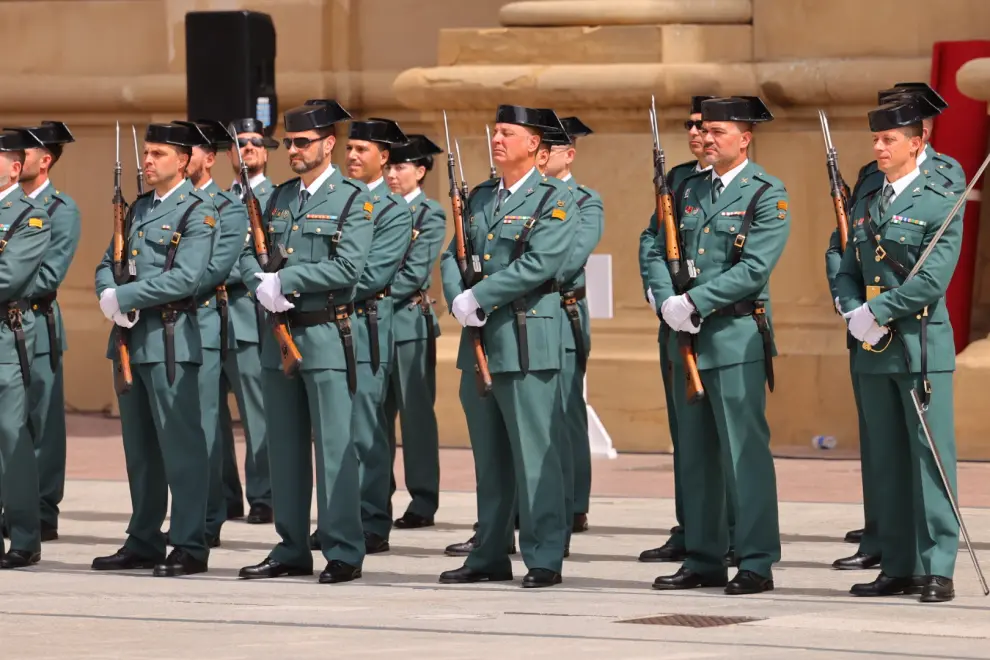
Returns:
(382, 131)
(184, 134)
(252, 125)
(316, 113)
(750, 109)
(419, 150)
(919, 89)
(541, 118)
(696, 103)
(896, 114)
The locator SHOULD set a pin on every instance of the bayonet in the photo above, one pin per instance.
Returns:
(137, 163)
(491, 160)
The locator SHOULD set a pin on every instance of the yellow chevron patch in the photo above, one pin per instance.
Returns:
(559, 214)
(210, 220)
(368, 207)
(781, 205)
(36, 222)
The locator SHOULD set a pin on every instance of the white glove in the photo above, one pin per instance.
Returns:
(121, 319)
(838, 308)
(677, 311)
(875, 334)
(861, 321)
(653, 301)
(465, 305)
(472, 321)
(269, 293)
(109, 304)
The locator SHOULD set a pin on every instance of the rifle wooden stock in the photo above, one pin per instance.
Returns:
(287, 349)
(481, 371)
(257, 228)
(841, 219)
(123, 378)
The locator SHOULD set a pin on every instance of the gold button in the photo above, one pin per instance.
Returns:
(698, 270)
(732, 228)
(494, 307)
(134, 252)
(318, 230)
(289, 250)
(484, 277)
(706, 230)
(918, 317)
(491, 236)
(487, 257)
(161, 241)
(890, 319)
(902, 239)
(876, 279)
(534, 311)
(701, 251)
(682, 225)
(295, 293)
(295, 227)
(140, 234)
(206, 304)
(516, 237)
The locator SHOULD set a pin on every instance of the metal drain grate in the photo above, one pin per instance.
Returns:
(691, 620)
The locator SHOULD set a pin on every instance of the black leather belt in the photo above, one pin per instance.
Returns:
(46, 305)
(519, 311)
(569, 301)
(369, 308)
(340, 315)
(14, 321)
(756, 309)
(170, 314)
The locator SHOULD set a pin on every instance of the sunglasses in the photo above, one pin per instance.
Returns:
(693, 123)
(299, 142)
(254, 142)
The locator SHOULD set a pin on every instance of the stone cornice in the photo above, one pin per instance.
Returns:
(625, 12)
(614, 86)
(973, 79)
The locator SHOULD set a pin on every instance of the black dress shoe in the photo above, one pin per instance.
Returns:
(271, 569)
(337, 571)
(179, 562)
(260, 514)
(855, 536)
(461, 549)
(541, 577)
(474, 527)
(748, 582)
(580, 523)
(918, 583)
(373, 544)
(884, 585)
(667, 552)
(48, 533)
(465, 575)
(685, 578)
(410, 520)
(314, 541)
(938, 590)
(124, 560)
(235, 511)
(858, 561)
(23, 559)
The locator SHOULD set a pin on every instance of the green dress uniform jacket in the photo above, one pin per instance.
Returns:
(918, 532)
(393, 224)
(46, 397)
(575, 450)
(733, 347)
(321, 274)
(242, 375)
(165, 447)
(512, 436)
(412, 388)
(227, 246)
(26, 227)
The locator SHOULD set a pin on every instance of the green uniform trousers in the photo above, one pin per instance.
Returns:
(725, 438)
(919, 533)
(209, 400)
(46, 403)
(870, 543)
(242, 375)
(165, 449)
(19, 466)
(411, 394)
(516, 459)
(573, 445)
(307, 410)
(368, 426)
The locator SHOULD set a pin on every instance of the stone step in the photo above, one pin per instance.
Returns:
(625, 12)
(592, 45)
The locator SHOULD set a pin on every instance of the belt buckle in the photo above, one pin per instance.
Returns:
(881, 254)
(740, 241)
(176, 237)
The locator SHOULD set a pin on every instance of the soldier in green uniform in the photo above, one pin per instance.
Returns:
(733, 222)
(575, 448)
(170, 235)
(242, 368)
(322, 221)
(46, 398)
(949, 174)
(212, 311)
(412, 387)
(673, 548)
(907, 349)
(26, 233)
(520, 227)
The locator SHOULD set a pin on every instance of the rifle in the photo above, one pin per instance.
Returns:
(289, 352)
(682, 272)
(840, 191)
(137, 163)
(493, 173)
(470, 267)
(122, 377)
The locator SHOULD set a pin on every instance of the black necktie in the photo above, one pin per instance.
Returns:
(155, 204)
(303, 198)
(716, 189)
(503, 194)
(888, 194)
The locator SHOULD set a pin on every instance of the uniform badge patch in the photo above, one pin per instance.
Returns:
(210, 220)
(559, 214)
(317, 216)
(560, 203)
(36, 222)
(368, 207)
(781, 205)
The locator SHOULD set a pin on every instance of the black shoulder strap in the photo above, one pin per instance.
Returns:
(746, 224)
(388, 207)
(173, 245)
(55, 204)
(874, 235)
(13, 227)
(528, 227)
(224, 204)
(587, 196)
(417, 228)
(340, 221)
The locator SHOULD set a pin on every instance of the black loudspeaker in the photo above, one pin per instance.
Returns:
(230, 67)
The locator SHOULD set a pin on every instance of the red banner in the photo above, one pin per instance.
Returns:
(961, 132)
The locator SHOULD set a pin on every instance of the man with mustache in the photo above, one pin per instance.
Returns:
(734, 225)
